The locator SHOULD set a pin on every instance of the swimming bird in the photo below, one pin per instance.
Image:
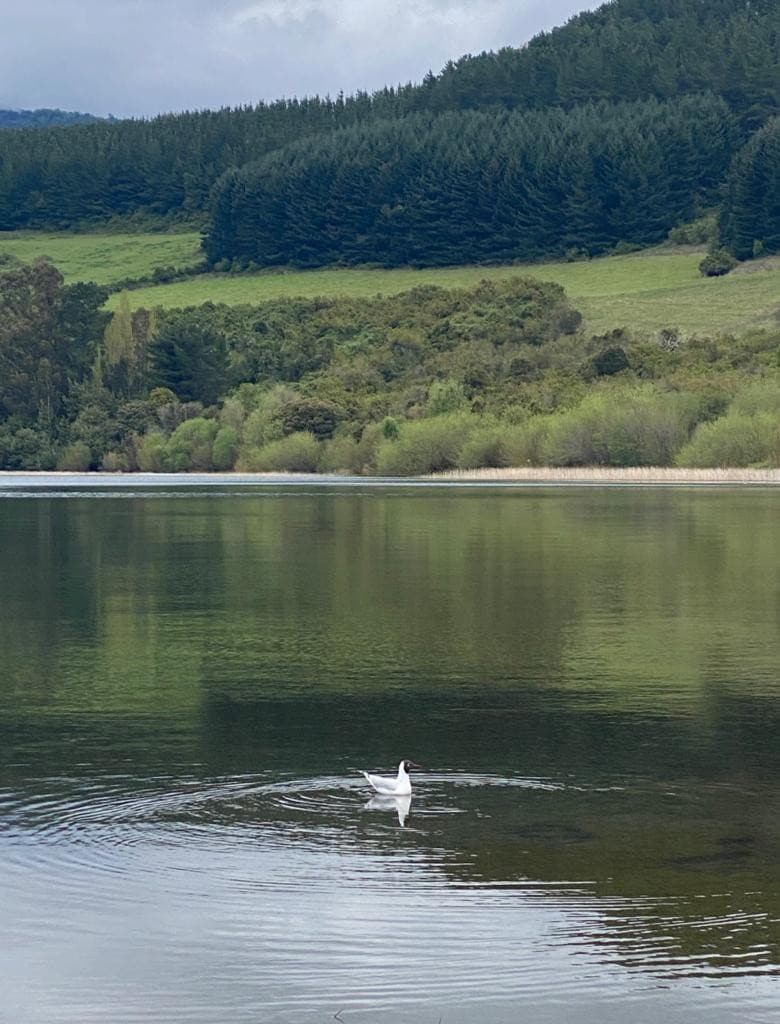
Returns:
(388, 786)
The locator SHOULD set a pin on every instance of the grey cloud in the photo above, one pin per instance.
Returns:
(140, 57)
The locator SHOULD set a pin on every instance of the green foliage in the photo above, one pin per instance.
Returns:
(610, 360)
(190, 358)
(190, 446)
(25, 448)
(225, 448)
(49, 335)
(717, 263)
(629, 428)
(734, 440)
(76, 457)
(116, 462)
(750, 218)
(151, 452)
(296, 453)
(476, 186)
(702, 231)
(316, 416)
(446, 396)
(425, 446)
(341, 455)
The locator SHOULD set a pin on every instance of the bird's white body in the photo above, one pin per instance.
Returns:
(387, 785)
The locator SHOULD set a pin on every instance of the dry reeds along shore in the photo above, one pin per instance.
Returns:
(614, 475)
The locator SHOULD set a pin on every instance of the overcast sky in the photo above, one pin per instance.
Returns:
(141, 57)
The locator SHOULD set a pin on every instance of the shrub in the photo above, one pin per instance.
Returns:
(734, 440)
(225, 448)
(150, 452)
(425, 446)
(717, 263)
(485, 447)
(702, 231)
(632, 428)
(296, 453)
(76, 457)
(190, 446)
(115, 462)
(524, 442)
(25, 448)
(445, 396)
(310, 415)
(503, 444)
(763, 396)
(610, 361)
(264, 423)
(341, 455)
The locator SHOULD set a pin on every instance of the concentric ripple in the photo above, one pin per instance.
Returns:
(295, 887)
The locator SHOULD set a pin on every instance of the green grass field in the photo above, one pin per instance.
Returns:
(643, 291)
(104, 258)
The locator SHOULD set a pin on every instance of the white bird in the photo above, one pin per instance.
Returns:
(388, 786)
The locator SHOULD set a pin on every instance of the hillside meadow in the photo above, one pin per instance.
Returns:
(643, 292)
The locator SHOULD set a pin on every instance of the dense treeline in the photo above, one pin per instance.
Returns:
(629, 50)
(477, 186)
(44, 117)
(632, 50)
(750, 218)
(500, 374)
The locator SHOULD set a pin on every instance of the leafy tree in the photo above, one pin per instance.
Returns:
(49, 333)
(190, 358)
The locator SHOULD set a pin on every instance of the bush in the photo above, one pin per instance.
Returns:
(115, 462)
(76, 458)
(445, 396)
(632, 428)
(717, 263)
(494, 445)
(524, 442)
(425, 446)
(763, 396)
(225, 448)
(702, 231)
(311, 415)
(190, 446)
(25, 448)
(734, 440)
(341, 455)
(151, 452)
(610, 361)
(484, 448)
(296, 453)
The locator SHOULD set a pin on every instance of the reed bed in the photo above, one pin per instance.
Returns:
(613, 475)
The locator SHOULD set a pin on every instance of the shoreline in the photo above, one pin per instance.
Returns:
(529, 476)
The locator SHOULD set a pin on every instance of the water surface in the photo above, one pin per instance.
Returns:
(190, 682)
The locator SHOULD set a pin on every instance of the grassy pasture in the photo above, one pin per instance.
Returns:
(107, 258)
(642, 291)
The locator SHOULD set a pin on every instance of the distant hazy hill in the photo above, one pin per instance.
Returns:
(45, 118)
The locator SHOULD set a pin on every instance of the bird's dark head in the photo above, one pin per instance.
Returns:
(408, 765)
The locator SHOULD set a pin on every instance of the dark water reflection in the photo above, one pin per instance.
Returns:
(190, 683)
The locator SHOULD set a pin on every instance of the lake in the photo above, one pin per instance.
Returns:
(192, 680)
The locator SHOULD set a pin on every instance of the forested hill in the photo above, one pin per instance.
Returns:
(631, 52)
(45, 118)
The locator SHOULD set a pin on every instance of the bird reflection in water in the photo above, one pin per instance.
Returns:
(399, 804)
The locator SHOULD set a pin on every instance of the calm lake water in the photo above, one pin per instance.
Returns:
(191, 680)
